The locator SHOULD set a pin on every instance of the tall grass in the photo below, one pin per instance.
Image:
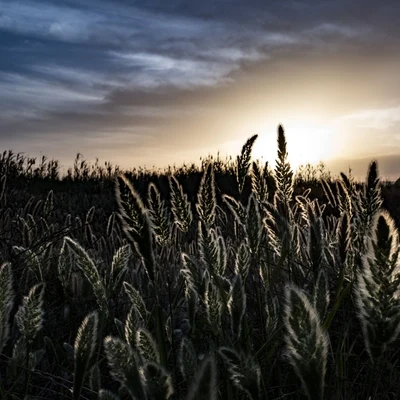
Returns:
(236, 283)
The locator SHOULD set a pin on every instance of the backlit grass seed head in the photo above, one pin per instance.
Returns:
(283, 172)
(214, 305)
(193, 275)
(131, 206)
(192, 302)
(243, 162)
(372, 191)
(236, 208)
(206, 200)
(157, 382)
(29, 317)
(258, 182)
(110, 224)
(366, 204)
(26, 232)
(204, 385)
(49, 203)
(315, 242)
(6, 302)
(119, 266)
(343, 238)
(344, 200)
(159, 215)
(86, 338)
(147, 346)
(133, 322)
(84, 347)
(254, 227)
(326, 186)
(243, 371)
(180, 206)
(377, 292)
(136, 222)
(136, 300)
(237, 306)
(321, 295)
(89, 269)
(272, 313)
(30, 261)
(385, 236)
(208, 248)
(123, 365)
(187, 358)
(307, 344)
(222, 256)
(242, 261)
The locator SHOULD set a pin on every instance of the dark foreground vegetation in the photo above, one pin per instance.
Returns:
(232, 281)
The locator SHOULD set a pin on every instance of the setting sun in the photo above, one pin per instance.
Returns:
(307, 143)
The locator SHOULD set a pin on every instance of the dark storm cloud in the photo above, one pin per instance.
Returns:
(124, 68)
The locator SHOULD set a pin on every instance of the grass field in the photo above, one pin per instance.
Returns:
(232, 281)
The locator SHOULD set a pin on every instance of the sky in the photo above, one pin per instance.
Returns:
(156, 82)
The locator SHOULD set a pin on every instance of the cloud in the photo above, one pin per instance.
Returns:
(164, 70)
(108, 24)
(381, 119)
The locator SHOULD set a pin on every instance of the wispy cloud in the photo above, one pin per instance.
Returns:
(335, 30)
(170, 67)
(109, 23)
(26, 98)
(379, 118)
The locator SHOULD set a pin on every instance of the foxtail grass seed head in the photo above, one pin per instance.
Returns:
(206, 200)
(89, 269)
(159, 215)
(84, 347)
(6, 302)
(237, 306)
(283, 172)
(209, 249)
(321, 295)
(136, 222)
(214, 307)
(242, 262)
(133, 322)
(243, 162)
(136, 299)
(180, 206)
(119, 266)
(259, 183)
(147, 346)
(157, 382)
(31, 261)
(343, 239)
(236, 209)
(123, 364)
(306, 342)
(243, 371)
(29, 317)
(193, 275)
(377, 289)
(254, 227)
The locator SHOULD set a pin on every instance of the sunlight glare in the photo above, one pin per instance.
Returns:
(306, 143)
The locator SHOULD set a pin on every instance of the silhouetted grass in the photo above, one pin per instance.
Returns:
(228, 280)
